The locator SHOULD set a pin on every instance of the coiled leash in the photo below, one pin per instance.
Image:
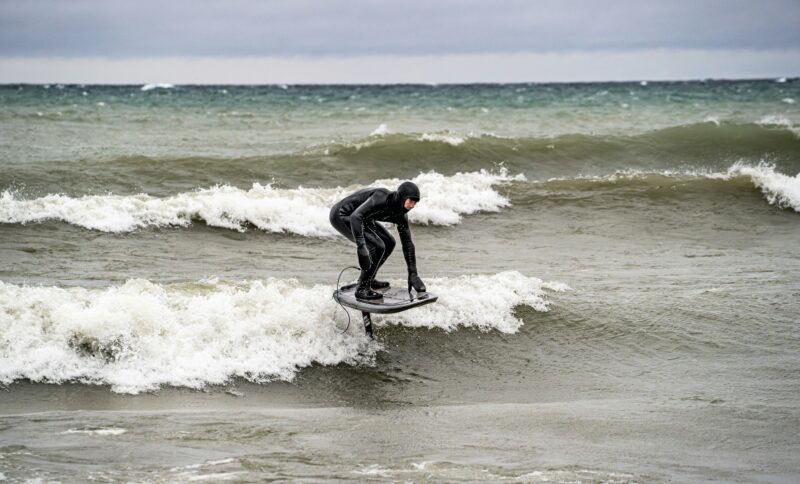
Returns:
(338, 288)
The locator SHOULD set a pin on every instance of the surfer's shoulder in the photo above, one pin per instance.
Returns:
(381, 191)
(379, 195)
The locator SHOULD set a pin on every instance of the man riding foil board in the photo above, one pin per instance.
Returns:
(356, 218)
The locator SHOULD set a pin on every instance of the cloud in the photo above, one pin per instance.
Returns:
(318, 28)
(608, 65)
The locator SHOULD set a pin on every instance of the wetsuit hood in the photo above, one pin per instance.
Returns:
(406, 190)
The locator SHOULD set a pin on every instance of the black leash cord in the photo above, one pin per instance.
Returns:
(340, 304)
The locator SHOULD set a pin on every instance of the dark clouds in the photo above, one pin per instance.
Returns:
(147, 28)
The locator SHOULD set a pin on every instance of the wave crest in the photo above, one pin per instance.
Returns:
(779, 189)
(700, 140)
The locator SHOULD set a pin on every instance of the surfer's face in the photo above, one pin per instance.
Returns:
(409, 204)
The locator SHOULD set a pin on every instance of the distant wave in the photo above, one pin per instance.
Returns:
(150, 87)
(302, 211)
(712, 141)
(771, 133)
(779, 189)
(448, 138)
(140, 335)
(779, 121)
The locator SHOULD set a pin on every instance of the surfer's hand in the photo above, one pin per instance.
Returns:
(415, 282)
(364, 260)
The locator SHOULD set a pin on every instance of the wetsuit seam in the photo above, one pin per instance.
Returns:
(377, 259)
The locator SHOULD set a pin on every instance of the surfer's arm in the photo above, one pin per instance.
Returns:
(357, 219)
(408, 245)
(410, 255)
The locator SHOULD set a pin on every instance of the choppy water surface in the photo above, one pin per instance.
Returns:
(616, 263)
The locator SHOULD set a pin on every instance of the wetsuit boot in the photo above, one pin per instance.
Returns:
(376, 284)
(364, 293)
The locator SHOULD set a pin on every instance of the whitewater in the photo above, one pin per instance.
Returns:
(302, 211)
(140, 335)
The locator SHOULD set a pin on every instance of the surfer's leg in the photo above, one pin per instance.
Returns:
(375, 246)
(341, 223)
(388, 244)
(376, 249)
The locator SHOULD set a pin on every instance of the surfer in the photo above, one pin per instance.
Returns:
(356, 217)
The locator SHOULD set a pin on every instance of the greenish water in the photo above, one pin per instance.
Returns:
(616, 265)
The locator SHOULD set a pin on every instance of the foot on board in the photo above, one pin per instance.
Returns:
(367, 294)
(376, 284)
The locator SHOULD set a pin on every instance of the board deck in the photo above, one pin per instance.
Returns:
(394, 300)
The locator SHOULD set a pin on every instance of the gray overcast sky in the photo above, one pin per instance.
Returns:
(313, 31)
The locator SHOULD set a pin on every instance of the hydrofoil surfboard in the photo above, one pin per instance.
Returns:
(394, 300)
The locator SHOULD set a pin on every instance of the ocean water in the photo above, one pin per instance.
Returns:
(617, 266)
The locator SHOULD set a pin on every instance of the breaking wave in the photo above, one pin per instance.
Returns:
(779, 189)
(302, 211)
(140, 335)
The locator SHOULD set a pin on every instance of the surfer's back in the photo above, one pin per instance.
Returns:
(350, 203)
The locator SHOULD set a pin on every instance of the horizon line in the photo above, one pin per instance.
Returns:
(170, 85)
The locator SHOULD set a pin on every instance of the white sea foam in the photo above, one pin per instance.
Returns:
(205, 464)
(216, 477)
(140, 335)
(302, 211)
(449, 138)
(464, 301)
(575, 475)
(779, 121)
(380, 130)
(775, 120)
(712, 119)
(788, 100)
(453, 139)
(374, 470)
(97, 431)
(446, 198)
(150, 87)
(779, 189)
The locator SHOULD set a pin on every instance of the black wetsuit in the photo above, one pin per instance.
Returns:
(356, 218)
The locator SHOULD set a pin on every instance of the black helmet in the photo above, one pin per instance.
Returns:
(405, 191)
(408, 190)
